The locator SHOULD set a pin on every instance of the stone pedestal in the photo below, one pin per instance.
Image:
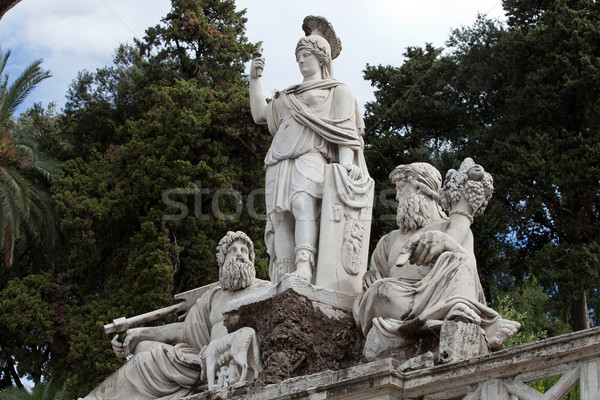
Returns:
(461, 341)
(302, 329)
(453, 341)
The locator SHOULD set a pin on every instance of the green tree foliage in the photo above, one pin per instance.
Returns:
(99, 105)
(170, 161)
(200, 40)
(27, 232)
(529, 304)
(41, 126)
(522, 100)
(549, 151)
(24, 203)
(41, 391)
(33, 322)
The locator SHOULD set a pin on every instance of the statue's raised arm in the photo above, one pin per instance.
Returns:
(258, 104)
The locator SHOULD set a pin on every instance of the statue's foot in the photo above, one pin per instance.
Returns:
(462, 312)
(500, 332)
(239, 384)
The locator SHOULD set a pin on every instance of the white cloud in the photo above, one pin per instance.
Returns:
(372, 32)
(91, 27)
(72, 35)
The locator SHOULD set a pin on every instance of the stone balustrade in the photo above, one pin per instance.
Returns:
(574, 358)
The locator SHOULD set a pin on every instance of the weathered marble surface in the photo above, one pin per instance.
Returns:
(344, 240)
(460, 341)
(292, 282)
(425, 273)
(174, 360)
(302, 329)
(315, 124)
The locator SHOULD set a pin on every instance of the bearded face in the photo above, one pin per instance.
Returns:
(235, 255)
(236, 274)
(413, 211)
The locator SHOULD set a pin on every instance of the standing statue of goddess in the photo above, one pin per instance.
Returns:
(314, 124)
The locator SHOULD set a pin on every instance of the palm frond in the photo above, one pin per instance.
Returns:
(14, 393)
(30, 159)
(16, 193)
(10, 219)
(12, 96)
(7, 149)
(47, 166)
(41, 222)
(3, 60)
(25, 206)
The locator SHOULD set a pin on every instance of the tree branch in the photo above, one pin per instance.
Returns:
(6, 5)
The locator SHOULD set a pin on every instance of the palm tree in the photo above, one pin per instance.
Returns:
(24, 203)
(12, 96)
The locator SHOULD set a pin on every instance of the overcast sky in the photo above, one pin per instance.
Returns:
(73, 35)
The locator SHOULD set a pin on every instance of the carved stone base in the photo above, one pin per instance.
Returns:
(302, 329)
(379, 347)
(461, 341)
(454, 341)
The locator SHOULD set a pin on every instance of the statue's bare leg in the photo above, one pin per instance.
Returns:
(242, 381)
(306, 213)
(284, 226)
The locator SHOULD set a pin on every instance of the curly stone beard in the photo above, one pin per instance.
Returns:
(412, 212)
(236, 275)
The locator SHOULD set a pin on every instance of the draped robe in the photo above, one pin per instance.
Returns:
(167, 371)
(424, 298)
(306, 138)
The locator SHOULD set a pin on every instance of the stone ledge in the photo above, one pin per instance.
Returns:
(290, 282)
(382, 380)
(374, 378)
(539, 355)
